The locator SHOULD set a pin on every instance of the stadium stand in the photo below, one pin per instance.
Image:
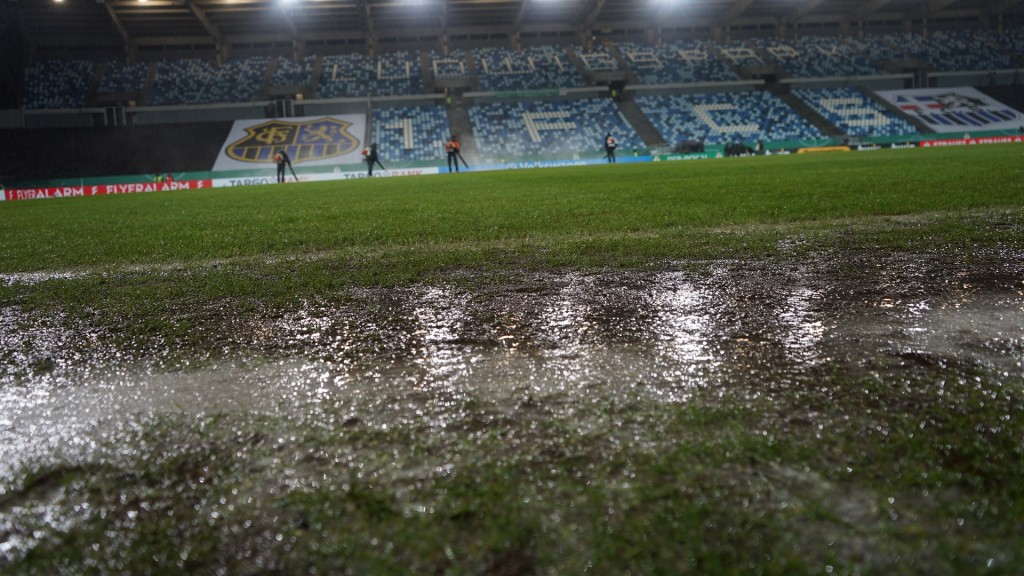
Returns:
(414, 133)
(816, 57)
(955, 51)
(553, 128)
(119, 78)
(675, 63)
(451, 67)
(1011, 41)
(854, 113)
(288, 72)
(597, 59)
(399, 73)
(357, 75)
(725, 117)
(58, 84)
(345, 75)
(533, 68)
(741, 55)
(194, 81)
(876, 49)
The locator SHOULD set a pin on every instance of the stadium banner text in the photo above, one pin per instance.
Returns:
(972, 141)
(103, 189)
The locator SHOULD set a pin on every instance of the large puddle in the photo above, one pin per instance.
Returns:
(414, 356)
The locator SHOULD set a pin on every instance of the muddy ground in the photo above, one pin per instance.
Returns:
(401, 391)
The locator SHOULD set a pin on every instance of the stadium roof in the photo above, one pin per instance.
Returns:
(225, 23)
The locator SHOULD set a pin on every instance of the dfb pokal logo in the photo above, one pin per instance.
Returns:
(318, 139)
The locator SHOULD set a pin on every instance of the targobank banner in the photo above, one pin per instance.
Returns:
(955, 109)
(308, 141)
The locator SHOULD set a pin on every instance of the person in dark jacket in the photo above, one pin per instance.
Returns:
(609, 147)
(282, 160)
(370, 155)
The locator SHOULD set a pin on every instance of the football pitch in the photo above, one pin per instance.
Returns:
(769, 365)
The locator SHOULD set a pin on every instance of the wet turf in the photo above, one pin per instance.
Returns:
(830, 396)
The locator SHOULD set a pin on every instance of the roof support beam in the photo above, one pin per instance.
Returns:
(364, 14)
(129, 44)
(591, 13)
(520, 13)
(211, 28)
(444, 24)
(364, 11)
(734, 12)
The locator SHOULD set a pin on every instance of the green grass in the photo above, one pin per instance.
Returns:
(570, 212)
(868, 476)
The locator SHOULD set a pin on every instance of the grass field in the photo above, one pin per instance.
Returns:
(466, 337)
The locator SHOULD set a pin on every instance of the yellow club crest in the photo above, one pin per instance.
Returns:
(317, 139)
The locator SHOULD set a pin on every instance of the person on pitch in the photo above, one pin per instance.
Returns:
(370, 155)
(609, 147)
(451, 147)
(282, 160)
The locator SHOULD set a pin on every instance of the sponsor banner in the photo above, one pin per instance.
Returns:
(620, 159)
(103, 189)
(972, 141)
(691, 156)
(322, 177)
(816, 149)
(954, 109)
(308, 141)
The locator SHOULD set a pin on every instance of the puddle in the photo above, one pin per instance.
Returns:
(413, 357)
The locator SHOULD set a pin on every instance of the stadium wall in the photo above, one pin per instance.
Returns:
(45, 154)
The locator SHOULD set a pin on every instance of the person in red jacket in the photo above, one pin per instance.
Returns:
(451, 147)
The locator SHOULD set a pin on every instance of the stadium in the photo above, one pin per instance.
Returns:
(775, 330)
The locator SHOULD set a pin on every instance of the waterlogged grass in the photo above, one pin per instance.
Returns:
(657, 489)
(825, 473)
(571, 213)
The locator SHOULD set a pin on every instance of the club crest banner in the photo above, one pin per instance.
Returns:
(958, 109)
(308, 141)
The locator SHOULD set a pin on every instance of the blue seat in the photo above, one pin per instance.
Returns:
(119, 78)
(725, 117)
(533, 68)
(357, 75)
(816, 57)
(854, 113)
(549, 128)
(58, 84)
(414, 133)
(679, 62)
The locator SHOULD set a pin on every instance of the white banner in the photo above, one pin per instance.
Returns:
(308, 141)
(959, 109)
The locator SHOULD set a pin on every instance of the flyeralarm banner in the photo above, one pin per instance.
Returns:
(308, 141)
(103, 189)
(955, 109)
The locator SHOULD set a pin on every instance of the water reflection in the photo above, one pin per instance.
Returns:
(441, 357)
